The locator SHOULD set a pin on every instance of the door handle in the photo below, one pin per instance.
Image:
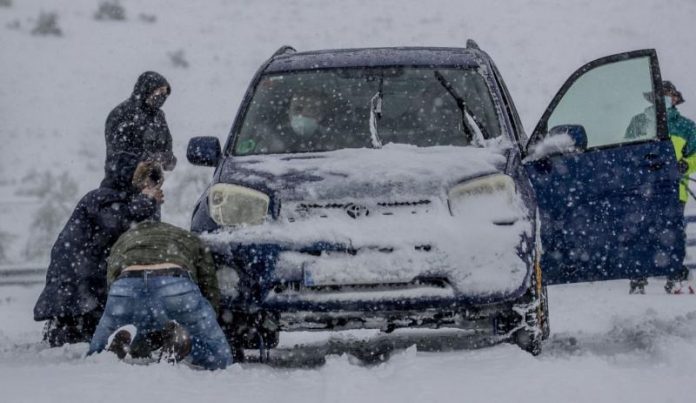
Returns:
(654, 162)
(656, 166)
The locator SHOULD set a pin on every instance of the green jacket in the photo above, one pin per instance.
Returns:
(682, 131)
(152, 242)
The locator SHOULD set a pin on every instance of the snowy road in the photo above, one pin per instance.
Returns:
(55, 93)
(606, 346)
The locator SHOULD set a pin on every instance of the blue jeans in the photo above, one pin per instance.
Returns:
(149, 303)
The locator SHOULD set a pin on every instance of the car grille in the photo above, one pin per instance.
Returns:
(357, 210)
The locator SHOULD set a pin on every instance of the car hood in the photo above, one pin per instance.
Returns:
(396, 241)
(389, 173)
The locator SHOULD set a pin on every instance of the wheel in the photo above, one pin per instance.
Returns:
(529, 341)
(249, 331)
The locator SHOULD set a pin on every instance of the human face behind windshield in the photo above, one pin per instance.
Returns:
(351, 107)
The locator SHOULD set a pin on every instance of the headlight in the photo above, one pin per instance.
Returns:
(237, 205)
(492, 197)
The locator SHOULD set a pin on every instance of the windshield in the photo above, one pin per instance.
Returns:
(324, 110)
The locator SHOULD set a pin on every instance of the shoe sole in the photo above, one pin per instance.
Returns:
(119, 342)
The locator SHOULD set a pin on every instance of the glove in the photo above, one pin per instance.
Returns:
(682, 166)
(148, 174)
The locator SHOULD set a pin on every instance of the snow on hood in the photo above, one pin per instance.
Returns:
(394, 171)
(471, 248)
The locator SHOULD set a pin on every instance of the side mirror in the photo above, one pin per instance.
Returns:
(204, 151)
(575, 132)
(562, 139)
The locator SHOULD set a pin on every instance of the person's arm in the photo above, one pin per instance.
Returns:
(120, 132)
(115, 262)
(688, 127)
(158, 143)
(207, 279)
(141, 207)
(116, 217)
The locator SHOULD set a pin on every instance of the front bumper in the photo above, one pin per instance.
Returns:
(287, 301)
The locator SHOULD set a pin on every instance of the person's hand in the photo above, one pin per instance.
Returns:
(683, 167)
(154, 193)
(169, 164)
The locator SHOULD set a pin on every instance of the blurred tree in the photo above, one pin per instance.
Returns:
(57, 195)
(178, 58)
(47, 24)
(5, 239)
(110, 10)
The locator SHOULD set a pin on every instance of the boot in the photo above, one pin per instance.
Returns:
(637, 286)
(120, 341)
(669, 287)
(176, 343)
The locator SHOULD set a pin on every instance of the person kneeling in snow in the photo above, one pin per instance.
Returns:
(75, 292)
(163, 294)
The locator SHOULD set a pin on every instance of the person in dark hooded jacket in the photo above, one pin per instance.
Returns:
(75, 293)
(138, 125)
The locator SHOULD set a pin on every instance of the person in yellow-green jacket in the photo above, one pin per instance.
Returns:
(682, 132)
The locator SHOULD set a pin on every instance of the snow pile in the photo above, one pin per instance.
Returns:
(479, 256)
(628, 348)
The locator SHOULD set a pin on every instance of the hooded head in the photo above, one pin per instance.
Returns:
(671, 91)
(119, 170)
(151, 90)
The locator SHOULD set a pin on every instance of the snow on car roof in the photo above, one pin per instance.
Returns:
(376, 57)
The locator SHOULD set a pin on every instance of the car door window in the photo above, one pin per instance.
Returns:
(614, 103)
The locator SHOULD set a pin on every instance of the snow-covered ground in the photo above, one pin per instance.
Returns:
(606, 346)
(55, 93)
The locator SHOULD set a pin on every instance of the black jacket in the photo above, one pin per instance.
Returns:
(135, 127)
(76, 277)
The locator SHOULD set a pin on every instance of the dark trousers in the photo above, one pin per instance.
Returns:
(71, 329)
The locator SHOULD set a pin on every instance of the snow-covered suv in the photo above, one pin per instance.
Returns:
(394, 188)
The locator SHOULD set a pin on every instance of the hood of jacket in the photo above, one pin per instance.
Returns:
(119, 170)
(148, 82)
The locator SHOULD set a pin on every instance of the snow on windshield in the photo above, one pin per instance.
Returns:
(331, 109)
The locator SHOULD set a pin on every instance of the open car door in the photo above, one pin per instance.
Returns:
(605, 175)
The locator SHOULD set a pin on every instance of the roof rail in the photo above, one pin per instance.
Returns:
(285, 49)
(471, 44)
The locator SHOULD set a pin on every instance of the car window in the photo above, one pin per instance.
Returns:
(614, 103)
(331, 109)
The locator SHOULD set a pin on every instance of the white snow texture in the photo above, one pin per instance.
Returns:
(55, 94)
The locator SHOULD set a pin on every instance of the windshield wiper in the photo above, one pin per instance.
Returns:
(376, 113)
(466, 113)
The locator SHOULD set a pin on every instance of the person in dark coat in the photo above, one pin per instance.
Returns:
(138, 124)
(75, 293)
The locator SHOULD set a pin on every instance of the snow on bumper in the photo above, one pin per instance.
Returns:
(472, 256)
